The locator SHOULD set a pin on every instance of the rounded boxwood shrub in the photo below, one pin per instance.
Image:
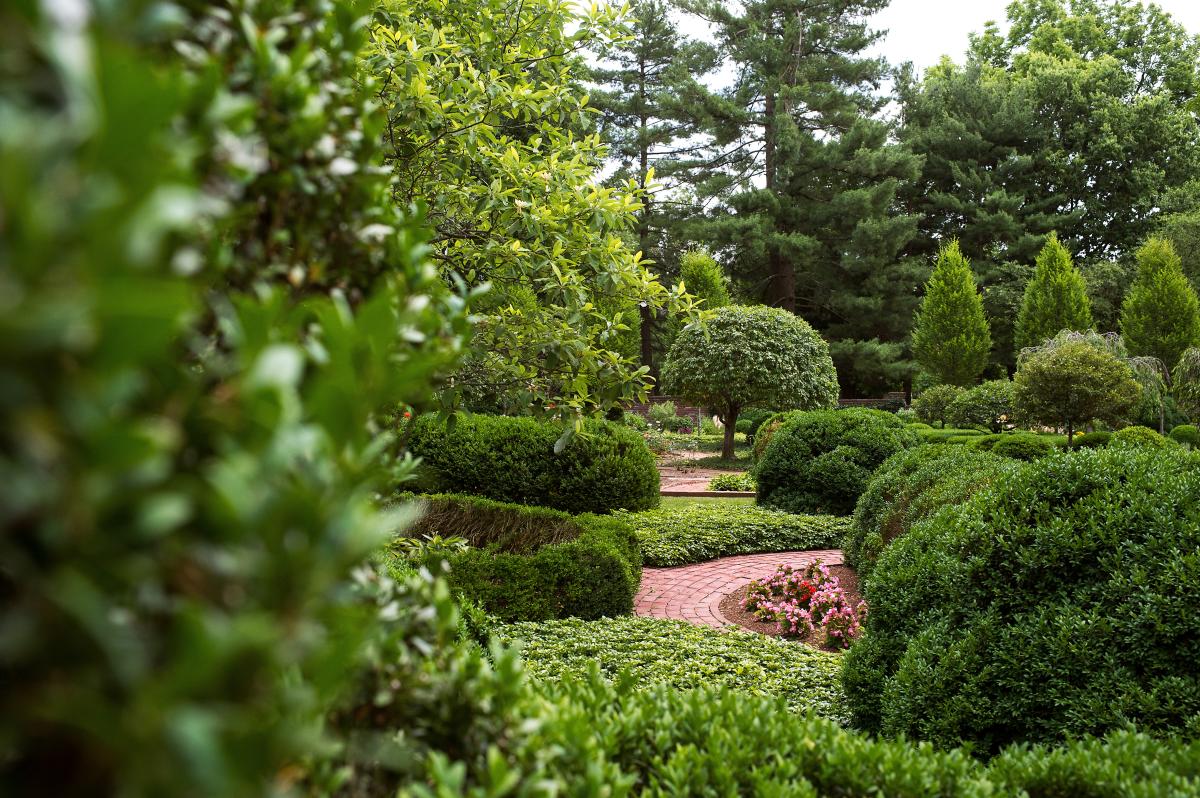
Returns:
(1137, 436)
(767, 430)
(1022, 447)
(984, 443)
(1062, 605)
(606, 467)
(532, 563)
(909, 487)
(1093, 440)
(820, 461)
(1186, 434)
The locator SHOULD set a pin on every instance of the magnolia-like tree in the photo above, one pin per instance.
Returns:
(951, 339)
(1073, 383)
(1161, 315)
(751, 356)
(1055, 299)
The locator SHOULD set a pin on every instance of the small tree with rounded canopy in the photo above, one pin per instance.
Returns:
(751, 356)
(1073, 383)
(1056, 298)
(952, 339)
(1161, 315)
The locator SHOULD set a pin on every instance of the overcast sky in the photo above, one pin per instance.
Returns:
(922, 31)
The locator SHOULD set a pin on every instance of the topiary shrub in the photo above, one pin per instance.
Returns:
(984, 443)
(911, 486)
(767, 429)
(932, 405)
(606, 467)
(1186, 434)
(820, 461)
(1062, 605)
(532, 563)
(1022, 447)
(1092, 440)
(1138, 436)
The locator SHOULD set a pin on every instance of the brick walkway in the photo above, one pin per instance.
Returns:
(693, 592)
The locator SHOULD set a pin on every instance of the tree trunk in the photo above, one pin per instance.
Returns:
(1070, 434)
(648, 315)
(730, 422)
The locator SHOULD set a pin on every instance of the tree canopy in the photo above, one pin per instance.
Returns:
(951, 340)
(1161, 314)
(1055, 298)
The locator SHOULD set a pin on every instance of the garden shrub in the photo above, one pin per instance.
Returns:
(984, 443)
(534, 563)
(1137, 436)
(1092, 440)
(1187, 434)
(947, 435)
(1062, 605)
(909, 487)
(1022, 447)
(750, 420)
(732, 482)
(989, 405)
(698, 532)
(605, 467)
(932, 405)
(820, 461)
(767, 430)
(655, 651)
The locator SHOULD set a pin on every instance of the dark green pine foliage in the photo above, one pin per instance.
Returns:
(951, 339)
(1055, 300)
(1161, 315)
(807, 178)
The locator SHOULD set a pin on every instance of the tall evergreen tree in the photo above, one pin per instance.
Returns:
(808, 177)
(951, 339)
(1055, 300)
(1161, 315)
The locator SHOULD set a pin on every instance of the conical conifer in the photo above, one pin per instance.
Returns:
(1161, 314)
(1055, 299)
(952, 339)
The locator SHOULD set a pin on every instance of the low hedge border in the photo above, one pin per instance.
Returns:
(672, 536)
(534, 563)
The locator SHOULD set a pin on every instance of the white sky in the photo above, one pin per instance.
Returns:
(922, 31)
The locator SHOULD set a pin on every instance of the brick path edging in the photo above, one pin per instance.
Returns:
(693, 593)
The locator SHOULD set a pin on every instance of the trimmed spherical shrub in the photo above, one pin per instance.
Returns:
(1187, 434)
(767, 429)
(606, 467)
(532, 563)
(820, 461)
(1093, 440)
(1062, 605)
(1137, 436)
(909, 487)
(1022, 447)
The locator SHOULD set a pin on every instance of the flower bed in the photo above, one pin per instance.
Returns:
(808, 602)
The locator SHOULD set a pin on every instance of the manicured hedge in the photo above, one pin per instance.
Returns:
(533, 563)
(1138, 436)
(1093, 440)
(911, 486)
(820, 461)
(767, 429)
(656, 651)
(1063, 604)
(1186, 434)
(1022, 447)
(606, 467)
(698, 532)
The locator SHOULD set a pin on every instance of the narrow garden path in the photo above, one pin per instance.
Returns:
(693, 593)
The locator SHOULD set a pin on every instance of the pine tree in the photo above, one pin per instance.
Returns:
(951, 339)
(1055, 300)
(1161, 315)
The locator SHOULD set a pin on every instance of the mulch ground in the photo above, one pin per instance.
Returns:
(731, 608)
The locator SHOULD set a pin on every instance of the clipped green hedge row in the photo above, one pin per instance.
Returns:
(658, 651)
(1063, 604)
(604, 468)
(911, 486)
(534, 563)
(820, 461)
(692, 533)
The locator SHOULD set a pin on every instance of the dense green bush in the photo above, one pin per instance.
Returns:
(1063, 604)
(909, 487)
(655, 651)
(1092, 440)
(820, 461)
(1022, 447)
(933, 404)
(605, 467)
(534, 563)
(698, 532)
(931, 435)
(1137, 436)
(750, 420)
(989, 405)
(1186, 434)
(767, 430)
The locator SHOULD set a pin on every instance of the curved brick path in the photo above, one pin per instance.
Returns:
(693, 592)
